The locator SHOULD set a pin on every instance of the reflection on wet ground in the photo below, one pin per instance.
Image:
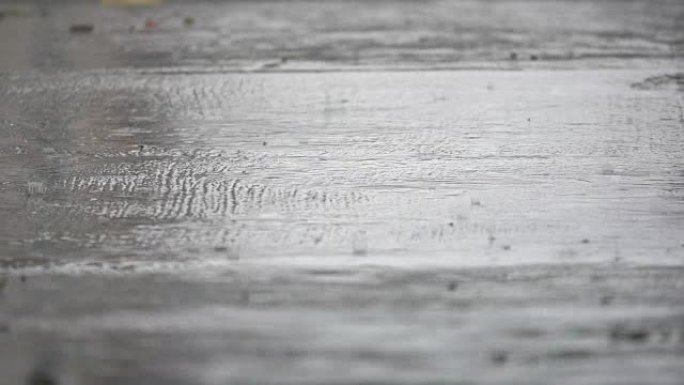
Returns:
(483, 167)
(263, 192)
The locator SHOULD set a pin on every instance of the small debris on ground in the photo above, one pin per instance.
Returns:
(452, 286)
(633, 335)
(81, 28)
(150, 24)
(188, 21)
(499, 357)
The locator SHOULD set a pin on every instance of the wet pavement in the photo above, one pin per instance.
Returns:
(342, 192)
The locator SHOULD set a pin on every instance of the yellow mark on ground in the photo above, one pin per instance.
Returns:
(16, 11)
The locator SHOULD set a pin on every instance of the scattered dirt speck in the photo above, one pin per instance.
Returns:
(621, 333)
(81, 28)
(499, 357)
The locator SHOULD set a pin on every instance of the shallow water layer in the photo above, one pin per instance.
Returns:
(213, 228)
(342, 192)
(465, 167)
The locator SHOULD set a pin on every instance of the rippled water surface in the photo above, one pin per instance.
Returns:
(483, 167)
(342, 192)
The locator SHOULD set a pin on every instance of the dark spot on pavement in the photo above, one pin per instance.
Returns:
(621, 333)
(570, 354)
(41, 376)
(245, 297)
(499, 357)
(81, 28)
